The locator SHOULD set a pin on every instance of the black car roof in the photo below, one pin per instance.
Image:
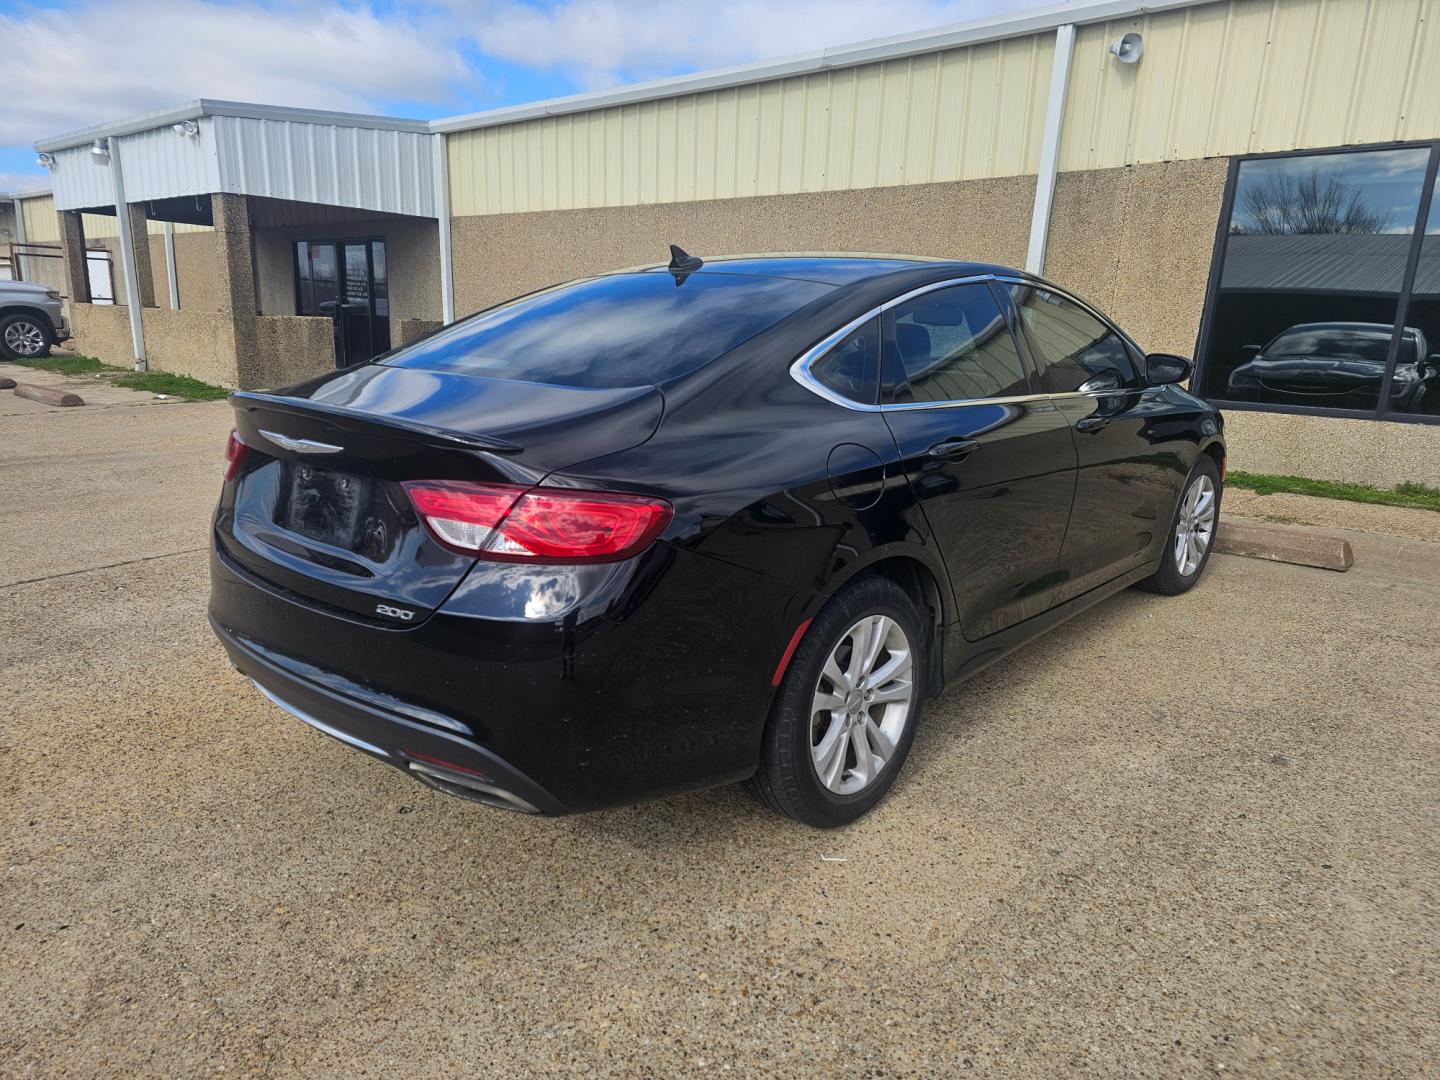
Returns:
(832, 268)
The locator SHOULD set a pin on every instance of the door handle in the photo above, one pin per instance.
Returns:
(956, 448)
(1092, 423)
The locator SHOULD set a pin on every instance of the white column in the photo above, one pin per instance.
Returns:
(442, 208)
(170, 266)
(127, 256)
(1050, 148)
(19, 268)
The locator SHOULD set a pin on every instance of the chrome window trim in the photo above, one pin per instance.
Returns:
(800, 369)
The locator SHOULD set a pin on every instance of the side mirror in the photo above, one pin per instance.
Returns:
(1162, 369)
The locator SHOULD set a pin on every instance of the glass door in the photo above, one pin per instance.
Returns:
(347, 281)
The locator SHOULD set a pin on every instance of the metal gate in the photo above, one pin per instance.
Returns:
(45, 264)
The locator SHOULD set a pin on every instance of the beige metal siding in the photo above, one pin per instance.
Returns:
(1251, 76)
(962, 114)
(43, 227)
(41, 224)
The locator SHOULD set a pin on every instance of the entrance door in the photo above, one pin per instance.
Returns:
(348, 281)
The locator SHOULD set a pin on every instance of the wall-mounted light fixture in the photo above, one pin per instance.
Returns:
(1128, 49)
(46, 161)
(187, 129)
(100, 151)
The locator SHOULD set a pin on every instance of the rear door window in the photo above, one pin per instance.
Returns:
(952, 344)
(622, 330)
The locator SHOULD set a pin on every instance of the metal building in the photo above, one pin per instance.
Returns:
(1206, 171)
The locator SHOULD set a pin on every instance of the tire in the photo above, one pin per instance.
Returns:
(789, 779)
(1173, 578)
(25, 337)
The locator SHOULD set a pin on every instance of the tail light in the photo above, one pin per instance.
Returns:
(234, 455)
(542, 525)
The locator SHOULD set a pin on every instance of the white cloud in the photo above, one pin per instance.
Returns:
(601, 42)
(98, 60)
(23, 181)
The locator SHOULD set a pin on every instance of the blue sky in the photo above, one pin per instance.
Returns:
(90, 61)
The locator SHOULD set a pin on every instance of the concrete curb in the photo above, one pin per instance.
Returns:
(1281, 543)
(48, 395)
(7, 384)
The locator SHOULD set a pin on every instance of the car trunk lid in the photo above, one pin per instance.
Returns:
(318, 507)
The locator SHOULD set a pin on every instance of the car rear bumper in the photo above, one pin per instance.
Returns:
(441, 759)
(644, 679)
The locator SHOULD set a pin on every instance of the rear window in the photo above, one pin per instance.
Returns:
(622, 330)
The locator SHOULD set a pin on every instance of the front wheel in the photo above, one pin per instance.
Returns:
(847, 708)
(24, 337)
(1192, 533)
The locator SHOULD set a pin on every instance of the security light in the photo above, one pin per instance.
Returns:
(100, 151)
(187, 129)
(45, 161)
(1127, 50)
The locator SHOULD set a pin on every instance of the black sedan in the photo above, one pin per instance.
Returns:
(699, 523)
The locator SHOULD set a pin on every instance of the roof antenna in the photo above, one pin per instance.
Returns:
(682, 264)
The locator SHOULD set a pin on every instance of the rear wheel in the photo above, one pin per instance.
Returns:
(1192, 533)
(847, 709)
(24, 337)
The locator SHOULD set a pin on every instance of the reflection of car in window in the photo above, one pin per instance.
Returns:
(1340, 362)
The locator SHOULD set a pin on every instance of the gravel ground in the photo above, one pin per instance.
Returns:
(1174, 837)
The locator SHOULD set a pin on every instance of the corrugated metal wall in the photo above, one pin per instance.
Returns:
(41, 224)
(332, 164)
(43, 227)
(1243, 76)
(159, 164)
(78, 180)
(1251, 76)
(956, 115)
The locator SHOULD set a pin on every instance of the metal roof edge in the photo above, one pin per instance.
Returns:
(194, 110)
(958, 35)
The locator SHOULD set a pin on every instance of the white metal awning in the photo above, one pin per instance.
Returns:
(335, 159)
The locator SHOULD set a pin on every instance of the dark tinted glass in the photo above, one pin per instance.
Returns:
(1074, 350)
(952, 345)
(623, 330)
(1415, 389)
(852, 368)
(1314, 260)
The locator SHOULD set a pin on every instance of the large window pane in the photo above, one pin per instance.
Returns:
(1416, 387)
(1314, 260)
(953, 345)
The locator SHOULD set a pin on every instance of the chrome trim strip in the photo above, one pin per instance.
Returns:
(320, 725)
(800, 369)
(300, 446)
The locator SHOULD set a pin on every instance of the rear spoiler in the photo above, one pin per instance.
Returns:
(353, 419)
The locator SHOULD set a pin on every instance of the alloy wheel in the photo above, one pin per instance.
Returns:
(861, 704)
(1196, 527)
(24, 338)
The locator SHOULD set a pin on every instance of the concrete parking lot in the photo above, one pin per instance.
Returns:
(1176, 837)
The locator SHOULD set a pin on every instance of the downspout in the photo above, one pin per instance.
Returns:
(1050, 148)
(442, 208)
(127, 256)
(170, 266)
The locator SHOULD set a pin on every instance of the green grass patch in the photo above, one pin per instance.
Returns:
(1418, 496)
(153, 382)
(181, 386)
(67, 365)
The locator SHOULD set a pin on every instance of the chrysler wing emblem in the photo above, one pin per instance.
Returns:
(301, 446)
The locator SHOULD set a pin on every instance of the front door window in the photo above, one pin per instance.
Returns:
(346, 280)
